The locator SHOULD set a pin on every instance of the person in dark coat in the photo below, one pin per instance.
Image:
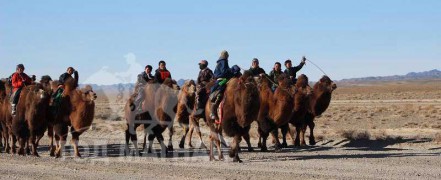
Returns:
(274, 75)
(291, 71)
(204, 77)
(255, 69)
(143, 78)
(162, 73)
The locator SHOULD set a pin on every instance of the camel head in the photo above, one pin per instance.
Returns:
(189, 87)
(88, 94)
(327, 83)
(302, 85)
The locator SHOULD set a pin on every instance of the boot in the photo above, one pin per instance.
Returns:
(214, 106)
(13, 107)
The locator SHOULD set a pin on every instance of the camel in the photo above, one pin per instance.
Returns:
(186, 104)
(134, 120)
(6, 118)
(165, 105)
(30, 122)
(318, 104)
(301, 104)
(240, 109)
(77, 110)
(275, 109)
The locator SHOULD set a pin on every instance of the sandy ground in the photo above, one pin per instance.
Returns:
(367, 133)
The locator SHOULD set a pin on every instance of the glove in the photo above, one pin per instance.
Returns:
(303, 59)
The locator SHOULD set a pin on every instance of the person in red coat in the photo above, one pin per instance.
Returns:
(19, 80)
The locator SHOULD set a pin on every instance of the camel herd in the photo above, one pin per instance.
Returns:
(247, 99)
(36, 114)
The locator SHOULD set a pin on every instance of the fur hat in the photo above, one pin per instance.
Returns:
(224, 55)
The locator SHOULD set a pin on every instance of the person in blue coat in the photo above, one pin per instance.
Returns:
(222, 74)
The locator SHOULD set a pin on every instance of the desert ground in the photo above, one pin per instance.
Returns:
(376, 130)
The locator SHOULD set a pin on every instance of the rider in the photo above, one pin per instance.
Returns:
(63, 78)
(274, 75)
(143, 78)
(222, 73)
(291, 71)
(204, 77)
(19, 80)
(255, 69)
(162, 73)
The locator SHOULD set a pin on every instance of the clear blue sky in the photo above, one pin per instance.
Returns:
(346, 38)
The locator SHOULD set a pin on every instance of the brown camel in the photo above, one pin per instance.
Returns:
(318, 104)
(186, 104)
(275, 109)
(134, 120)
(165, 105)
(30, 122)
(76, 110)
(241, 106)
(301, 104)
(6, 118)
(195, 117)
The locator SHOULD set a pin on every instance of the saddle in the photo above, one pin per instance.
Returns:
(220, 113)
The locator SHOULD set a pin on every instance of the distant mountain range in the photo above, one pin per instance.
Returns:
(432, 74)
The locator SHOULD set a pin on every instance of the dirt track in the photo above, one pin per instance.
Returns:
(330, 160)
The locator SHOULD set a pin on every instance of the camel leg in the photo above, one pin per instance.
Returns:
(151, 137)
(182, 142)
(297, 140)
(211, 148)
(302, 135)
(22, 143)
(234, 150)
(284, 130)
(277, 144)
(50, 133)
(190, 133)
(144, 141)
(219, 151)
(61, 145)
(74, 141)
(198, 131)
(33, 140)
(127, 149)
(311, 126)
(262, 140)
(14, 144)
(160, 138)
(247, 139)
(170, 137)
(7, 145)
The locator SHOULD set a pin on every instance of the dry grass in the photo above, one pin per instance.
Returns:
(355, 134)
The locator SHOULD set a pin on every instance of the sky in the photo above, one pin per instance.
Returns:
(110, 42)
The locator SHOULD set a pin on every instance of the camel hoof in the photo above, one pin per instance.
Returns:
(36, 155)
(259, 145)
(78, 155)
(284, 145)
(221, 158)
(170, 148)
(250, 149)
(236, 159)
(181, 145)
(231, 153)
(312, 142)
(263, 149)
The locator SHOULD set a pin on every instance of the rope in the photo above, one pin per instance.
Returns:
(317, 67)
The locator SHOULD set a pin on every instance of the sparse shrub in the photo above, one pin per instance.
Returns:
(437, 138)
(355, 135)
